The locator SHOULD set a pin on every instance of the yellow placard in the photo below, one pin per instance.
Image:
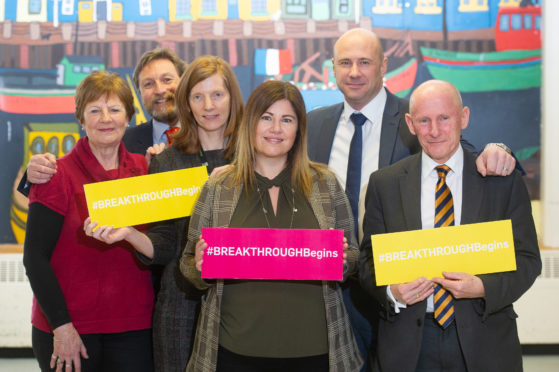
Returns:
(478, 248)
(137, 200)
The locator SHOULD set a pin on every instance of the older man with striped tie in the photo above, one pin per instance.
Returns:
(458, 322)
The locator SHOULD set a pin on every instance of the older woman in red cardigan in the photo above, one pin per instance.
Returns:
(92, 302)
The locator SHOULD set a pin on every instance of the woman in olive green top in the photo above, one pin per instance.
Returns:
(249, 325)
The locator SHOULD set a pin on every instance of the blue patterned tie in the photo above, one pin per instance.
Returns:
(353, 179)
(444, 216)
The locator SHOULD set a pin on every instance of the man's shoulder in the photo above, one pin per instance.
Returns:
(398, 168)
(326, 111)
(137, 139)
(140, 128)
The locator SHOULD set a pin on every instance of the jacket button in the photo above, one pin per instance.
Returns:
(419, 322)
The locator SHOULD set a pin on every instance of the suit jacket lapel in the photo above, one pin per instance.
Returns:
(410, 189)
(472, 190)
(328, 129)
(389, 130)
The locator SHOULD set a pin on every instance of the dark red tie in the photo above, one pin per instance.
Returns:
(169, 133)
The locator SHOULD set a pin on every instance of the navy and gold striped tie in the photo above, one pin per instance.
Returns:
(444, 216)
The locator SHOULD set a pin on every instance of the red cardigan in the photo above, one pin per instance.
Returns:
(105, 287)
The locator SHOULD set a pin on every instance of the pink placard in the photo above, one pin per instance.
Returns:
(294, 254)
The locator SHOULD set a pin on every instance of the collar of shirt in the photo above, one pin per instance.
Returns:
(429, 178)
(159, 129)
(372, 110)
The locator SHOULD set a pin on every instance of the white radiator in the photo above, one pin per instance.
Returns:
(538, 322)
(15, 302)
(538, 319)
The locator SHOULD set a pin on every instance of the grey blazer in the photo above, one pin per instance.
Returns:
(214, 208)
(486, 327)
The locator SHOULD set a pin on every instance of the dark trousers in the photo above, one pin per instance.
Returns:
(122, 352)
(228, 361)
(440, 348)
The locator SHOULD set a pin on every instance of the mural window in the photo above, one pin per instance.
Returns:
(86, 69)
(473, 6)
(427, 7)
(343, 6)
(67, 7)
(509, 3)
(296, 6)
(258, 7)
(538, 22)
(387, 7)
(504, 23)
(145, 7)
(76, 69)
(516, 21)
(182, 9)
(34, 6)
(209, 7)
(528, 21)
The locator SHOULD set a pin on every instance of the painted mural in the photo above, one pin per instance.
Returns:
(490, 49)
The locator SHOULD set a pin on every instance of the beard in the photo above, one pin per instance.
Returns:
(164, 113)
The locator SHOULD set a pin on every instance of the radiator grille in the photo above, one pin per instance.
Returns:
(550, 264)
(11, 269)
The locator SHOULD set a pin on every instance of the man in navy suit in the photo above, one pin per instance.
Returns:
(474, 328)
(156, 77)
(359, 66)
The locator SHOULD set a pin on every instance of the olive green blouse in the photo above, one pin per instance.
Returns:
(274, 318)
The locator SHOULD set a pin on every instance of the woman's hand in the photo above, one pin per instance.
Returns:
(346, 247)
(106, 234)
(199, 253)
(218, 170)
(67, 349)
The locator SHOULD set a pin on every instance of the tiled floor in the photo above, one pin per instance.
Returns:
(532, 363)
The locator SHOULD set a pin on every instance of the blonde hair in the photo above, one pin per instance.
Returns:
(186, 139)
(265, 95)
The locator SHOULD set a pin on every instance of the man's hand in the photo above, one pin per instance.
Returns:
(412, 292)
(495, 161)
(154, 150)
(462, 285)
(41, 168)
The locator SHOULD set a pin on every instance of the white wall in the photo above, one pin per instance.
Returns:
(550, 126)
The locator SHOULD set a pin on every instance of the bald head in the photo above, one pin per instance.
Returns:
(432, 88)
(360, 36)
(437, 117)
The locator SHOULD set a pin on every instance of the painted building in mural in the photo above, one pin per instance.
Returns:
(424, 15)
(279, 39)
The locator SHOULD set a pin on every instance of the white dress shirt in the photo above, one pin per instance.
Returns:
(339, 155)
(429, 178)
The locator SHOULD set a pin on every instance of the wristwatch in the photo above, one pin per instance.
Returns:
(503, 146)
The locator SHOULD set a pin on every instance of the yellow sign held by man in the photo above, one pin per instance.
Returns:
(478, 248)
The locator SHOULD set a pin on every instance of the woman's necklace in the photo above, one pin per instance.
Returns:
(293, 210)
